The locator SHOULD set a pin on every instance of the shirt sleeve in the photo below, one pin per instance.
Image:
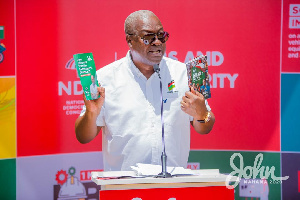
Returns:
(100, 118)
(207, 107)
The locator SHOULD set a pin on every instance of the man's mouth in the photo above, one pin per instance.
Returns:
(156, 52)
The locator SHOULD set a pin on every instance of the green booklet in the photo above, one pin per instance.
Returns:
(197, 70)
(86, 70)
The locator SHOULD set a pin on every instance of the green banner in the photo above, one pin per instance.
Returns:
(8, 179)
(245, 164)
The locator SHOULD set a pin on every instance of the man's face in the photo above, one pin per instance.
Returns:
(147, 54)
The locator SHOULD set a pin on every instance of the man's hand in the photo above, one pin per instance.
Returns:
(94, 106)
(193, 103)
(85, 126)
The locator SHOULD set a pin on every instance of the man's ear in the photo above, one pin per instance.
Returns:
(128, 40)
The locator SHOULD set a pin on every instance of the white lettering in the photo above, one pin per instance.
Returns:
(77, 89)
(232, 79)
(214, 58)
(242, 172)
(292, 36)
(214, 79)
(73, 112)
(218, 80)
(217, 55)
(294, 42)
(208, 58)
(189, 56)
(69, 102)
(172, 55)
(72, 107)
(62, 87)
(221, 78)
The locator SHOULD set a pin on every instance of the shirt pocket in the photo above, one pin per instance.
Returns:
(170, 100)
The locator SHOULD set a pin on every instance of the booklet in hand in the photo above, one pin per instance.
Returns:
(197, 70)
(86, 70)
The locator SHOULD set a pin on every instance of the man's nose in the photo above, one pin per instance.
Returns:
(156, 41)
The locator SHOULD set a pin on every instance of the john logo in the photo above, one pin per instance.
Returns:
(171, 85)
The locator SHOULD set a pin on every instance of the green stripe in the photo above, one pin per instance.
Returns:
(8, 179)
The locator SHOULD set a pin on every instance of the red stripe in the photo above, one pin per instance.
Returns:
(298, 181)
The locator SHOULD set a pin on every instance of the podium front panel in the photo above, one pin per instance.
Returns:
(205, 193)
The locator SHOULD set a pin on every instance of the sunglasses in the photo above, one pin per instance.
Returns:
(151, 37)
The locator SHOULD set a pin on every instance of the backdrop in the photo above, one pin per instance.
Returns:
(253, 51)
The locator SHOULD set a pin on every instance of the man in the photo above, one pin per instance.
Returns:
(93, 88)
(129, 109)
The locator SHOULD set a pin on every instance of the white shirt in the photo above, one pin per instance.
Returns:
(131, 115)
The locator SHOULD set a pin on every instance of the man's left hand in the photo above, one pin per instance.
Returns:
(193, 103)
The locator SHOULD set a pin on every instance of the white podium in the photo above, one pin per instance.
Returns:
(209, 184)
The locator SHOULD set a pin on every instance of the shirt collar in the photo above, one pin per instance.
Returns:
(132, 66)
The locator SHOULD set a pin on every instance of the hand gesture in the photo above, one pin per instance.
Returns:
(193, 103)
(94, 106)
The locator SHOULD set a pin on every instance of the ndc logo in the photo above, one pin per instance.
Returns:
(171, 85)
(70, 64)
(71, 87)
(294, 20)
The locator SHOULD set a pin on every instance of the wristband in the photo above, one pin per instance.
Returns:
(206, 119)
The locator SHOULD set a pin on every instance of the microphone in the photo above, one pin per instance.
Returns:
(164, 173)
(157, 69)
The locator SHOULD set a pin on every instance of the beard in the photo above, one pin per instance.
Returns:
(137, 57)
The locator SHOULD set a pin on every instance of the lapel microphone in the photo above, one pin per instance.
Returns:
(157, 69)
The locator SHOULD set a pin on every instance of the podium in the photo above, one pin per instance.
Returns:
(205, 184)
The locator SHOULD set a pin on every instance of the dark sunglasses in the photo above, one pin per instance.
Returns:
(150, 37)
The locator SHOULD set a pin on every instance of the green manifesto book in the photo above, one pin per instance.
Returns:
(86, 70)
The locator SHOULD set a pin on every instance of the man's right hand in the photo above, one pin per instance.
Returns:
(86, 128)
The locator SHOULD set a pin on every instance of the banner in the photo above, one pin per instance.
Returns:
(253, 63)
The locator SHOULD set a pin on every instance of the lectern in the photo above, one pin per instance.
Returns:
(205, 184)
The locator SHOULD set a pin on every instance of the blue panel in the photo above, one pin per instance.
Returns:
(290, 112)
